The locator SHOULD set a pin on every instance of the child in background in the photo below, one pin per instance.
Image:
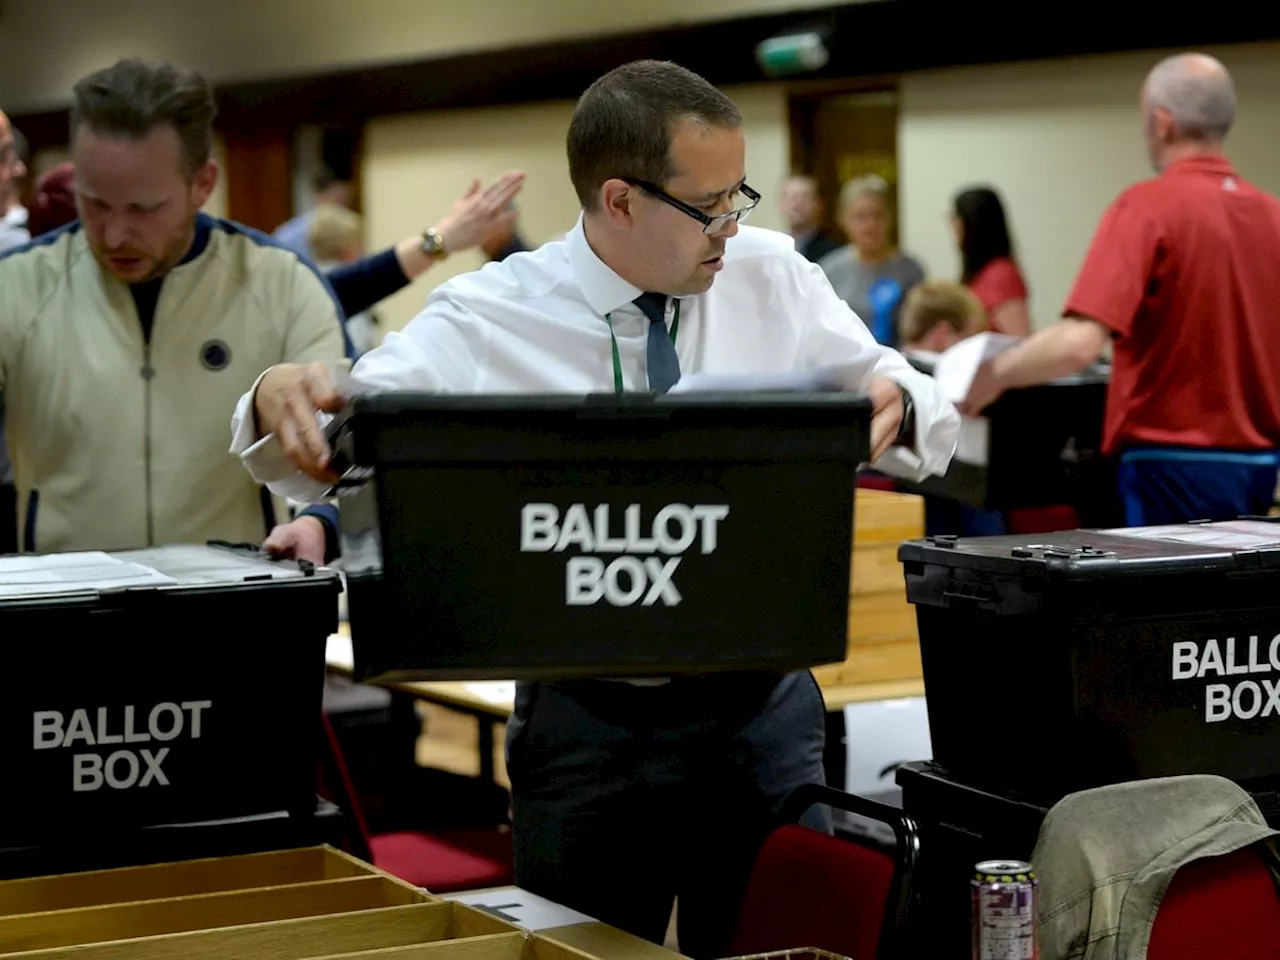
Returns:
(937, 315)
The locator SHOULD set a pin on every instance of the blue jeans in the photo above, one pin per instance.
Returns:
(1161, 485)
(943, 516)
(626, 797)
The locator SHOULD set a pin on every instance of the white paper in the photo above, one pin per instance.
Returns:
(879, 734)
(958, 365)
(1232, 535)
(971, 445)
(73, 573)
(223, 822)
(338, 653)
(826, 378)
(524, 909)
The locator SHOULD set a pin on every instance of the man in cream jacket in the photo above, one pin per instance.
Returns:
(126, 336)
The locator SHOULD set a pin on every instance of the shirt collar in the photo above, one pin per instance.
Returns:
(1217, 165)
(16, 217)
(604, 289)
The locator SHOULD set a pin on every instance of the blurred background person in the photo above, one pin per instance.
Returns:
(871, 274)
(335, 239)
(803, 209)
(988, 267)
(937, 315)
(479, 216)
(328, 190)
(13, 171)
(12, 234)
(54, 202)
(504, 239)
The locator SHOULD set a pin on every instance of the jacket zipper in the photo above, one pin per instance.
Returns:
(148, 374)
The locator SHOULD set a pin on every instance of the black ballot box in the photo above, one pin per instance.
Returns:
(158, 699)
(961, 824)
(553, 536)
(1035, 446)
(1076, 659)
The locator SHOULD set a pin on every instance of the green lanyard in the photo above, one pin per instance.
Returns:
(617, 361)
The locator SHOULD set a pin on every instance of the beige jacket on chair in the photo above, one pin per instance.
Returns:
(1105, 858)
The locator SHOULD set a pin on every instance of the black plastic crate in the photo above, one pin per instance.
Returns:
(185, 710)
(1042, 449)
(523, 537)
(1063, 661)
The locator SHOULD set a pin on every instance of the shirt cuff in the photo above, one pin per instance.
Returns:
(265, 459)
(937, 430)
(327, 514)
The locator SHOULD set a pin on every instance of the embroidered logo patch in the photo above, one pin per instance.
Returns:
(215, 355)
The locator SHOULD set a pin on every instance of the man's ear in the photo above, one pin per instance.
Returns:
(205, 180)
(1165, 127)
(616, 197)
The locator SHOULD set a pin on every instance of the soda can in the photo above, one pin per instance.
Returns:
(1005, 900)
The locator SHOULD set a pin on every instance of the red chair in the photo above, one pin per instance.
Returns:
(1220, 908)
(444, 862)
(810, 889)
(876, 481)
(1042, 519)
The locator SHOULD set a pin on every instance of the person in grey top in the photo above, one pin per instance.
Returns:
(870, 274)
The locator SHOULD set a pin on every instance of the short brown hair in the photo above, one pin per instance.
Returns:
(940, 301)
(133, 97)
(621, 126)
(334, 231)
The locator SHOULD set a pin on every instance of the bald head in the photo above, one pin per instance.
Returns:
(1196, 92)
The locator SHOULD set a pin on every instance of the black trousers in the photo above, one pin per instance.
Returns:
(628, 797)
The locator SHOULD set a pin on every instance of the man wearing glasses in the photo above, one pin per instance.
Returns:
(629, 794)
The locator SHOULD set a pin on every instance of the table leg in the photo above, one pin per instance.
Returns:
(487, 773)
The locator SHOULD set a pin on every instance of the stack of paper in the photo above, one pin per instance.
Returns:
(24, 576)
(957, 366)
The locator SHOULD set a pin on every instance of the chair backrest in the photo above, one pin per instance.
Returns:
(811, 889)
(336, 785)
(1219, 907)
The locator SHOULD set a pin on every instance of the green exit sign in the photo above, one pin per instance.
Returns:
(792, 54)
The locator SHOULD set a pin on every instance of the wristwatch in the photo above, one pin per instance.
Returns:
(433, 244)
(907, 428)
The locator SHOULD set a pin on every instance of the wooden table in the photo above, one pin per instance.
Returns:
(491, 702)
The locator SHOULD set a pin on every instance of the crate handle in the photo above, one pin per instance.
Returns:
(966, 591)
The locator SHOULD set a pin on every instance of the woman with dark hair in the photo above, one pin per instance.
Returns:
(988, 267)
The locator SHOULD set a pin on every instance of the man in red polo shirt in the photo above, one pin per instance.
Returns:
(1183, 276)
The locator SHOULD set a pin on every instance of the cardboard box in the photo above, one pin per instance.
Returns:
(284, 905)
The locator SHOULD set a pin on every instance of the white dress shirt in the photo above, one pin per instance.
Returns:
(536, 323)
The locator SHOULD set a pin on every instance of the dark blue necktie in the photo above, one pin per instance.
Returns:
(661, 362)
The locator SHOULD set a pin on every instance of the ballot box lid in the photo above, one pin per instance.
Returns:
(1249, 544)
(90, 576)
(406, 427)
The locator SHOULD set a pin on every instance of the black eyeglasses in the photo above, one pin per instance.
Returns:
(710, 224)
